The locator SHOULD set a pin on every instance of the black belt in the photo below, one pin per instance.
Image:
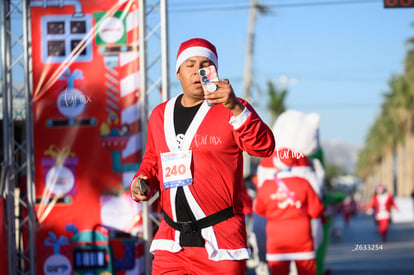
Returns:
(194, 226)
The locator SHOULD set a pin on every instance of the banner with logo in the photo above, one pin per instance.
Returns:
(87, 135)
(4, 268)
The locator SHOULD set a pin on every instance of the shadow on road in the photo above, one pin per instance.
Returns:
(360, 251)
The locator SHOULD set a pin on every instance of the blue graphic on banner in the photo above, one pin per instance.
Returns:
(177, 183)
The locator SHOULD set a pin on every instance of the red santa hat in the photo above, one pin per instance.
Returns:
(380, 189)
(196, 47)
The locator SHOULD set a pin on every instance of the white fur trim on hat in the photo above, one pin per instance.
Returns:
(196, 51)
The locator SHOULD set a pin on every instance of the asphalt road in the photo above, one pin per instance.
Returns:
(359, 250)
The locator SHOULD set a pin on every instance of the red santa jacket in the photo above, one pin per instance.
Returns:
(289, 204)
(382, 203)
(217, 141)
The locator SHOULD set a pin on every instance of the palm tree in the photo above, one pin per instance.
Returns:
(409, 62)
(387, 137)
(403, 104)
(381, 144)
(276, 103)
(409, 135)
(392, 134)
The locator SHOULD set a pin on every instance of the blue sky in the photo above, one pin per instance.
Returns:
(338, 57)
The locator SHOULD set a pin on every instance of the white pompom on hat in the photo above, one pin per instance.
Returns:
(297, 131)
(196, 47)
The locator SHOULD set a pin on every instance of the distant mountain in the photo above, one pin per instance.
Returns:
(341, 154)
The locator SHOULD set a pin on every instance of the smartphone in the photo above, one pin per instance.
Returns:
(143, 187)
(207, 76)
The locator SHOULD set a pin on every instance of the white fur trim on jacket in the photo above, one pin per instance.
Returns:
(214, 252)
(291, 256)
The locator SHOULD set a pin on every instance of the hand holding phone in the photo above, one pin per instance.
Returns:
(207, 76)
(143, 187)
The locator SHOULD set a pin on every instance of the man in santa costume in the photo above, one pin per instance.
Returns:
(380, 205)
(194, 156)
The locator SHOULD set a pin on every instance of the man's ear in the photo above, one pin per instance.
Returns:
(178, 75)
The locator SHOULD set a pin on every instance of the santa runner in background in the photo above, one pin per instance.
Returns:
(380, 205)
(87, 135)
(299, 132)
(289, 203)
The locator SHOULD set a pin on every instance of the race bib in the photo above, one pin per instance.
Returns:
(176, 168)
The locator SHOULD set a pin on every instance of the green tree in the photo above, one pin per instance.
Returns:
(276, 103)
(386, 137)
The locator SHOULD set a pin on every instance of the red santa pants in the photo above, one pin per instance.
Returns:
(303, 267)
(383, 227)
(193, 261)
